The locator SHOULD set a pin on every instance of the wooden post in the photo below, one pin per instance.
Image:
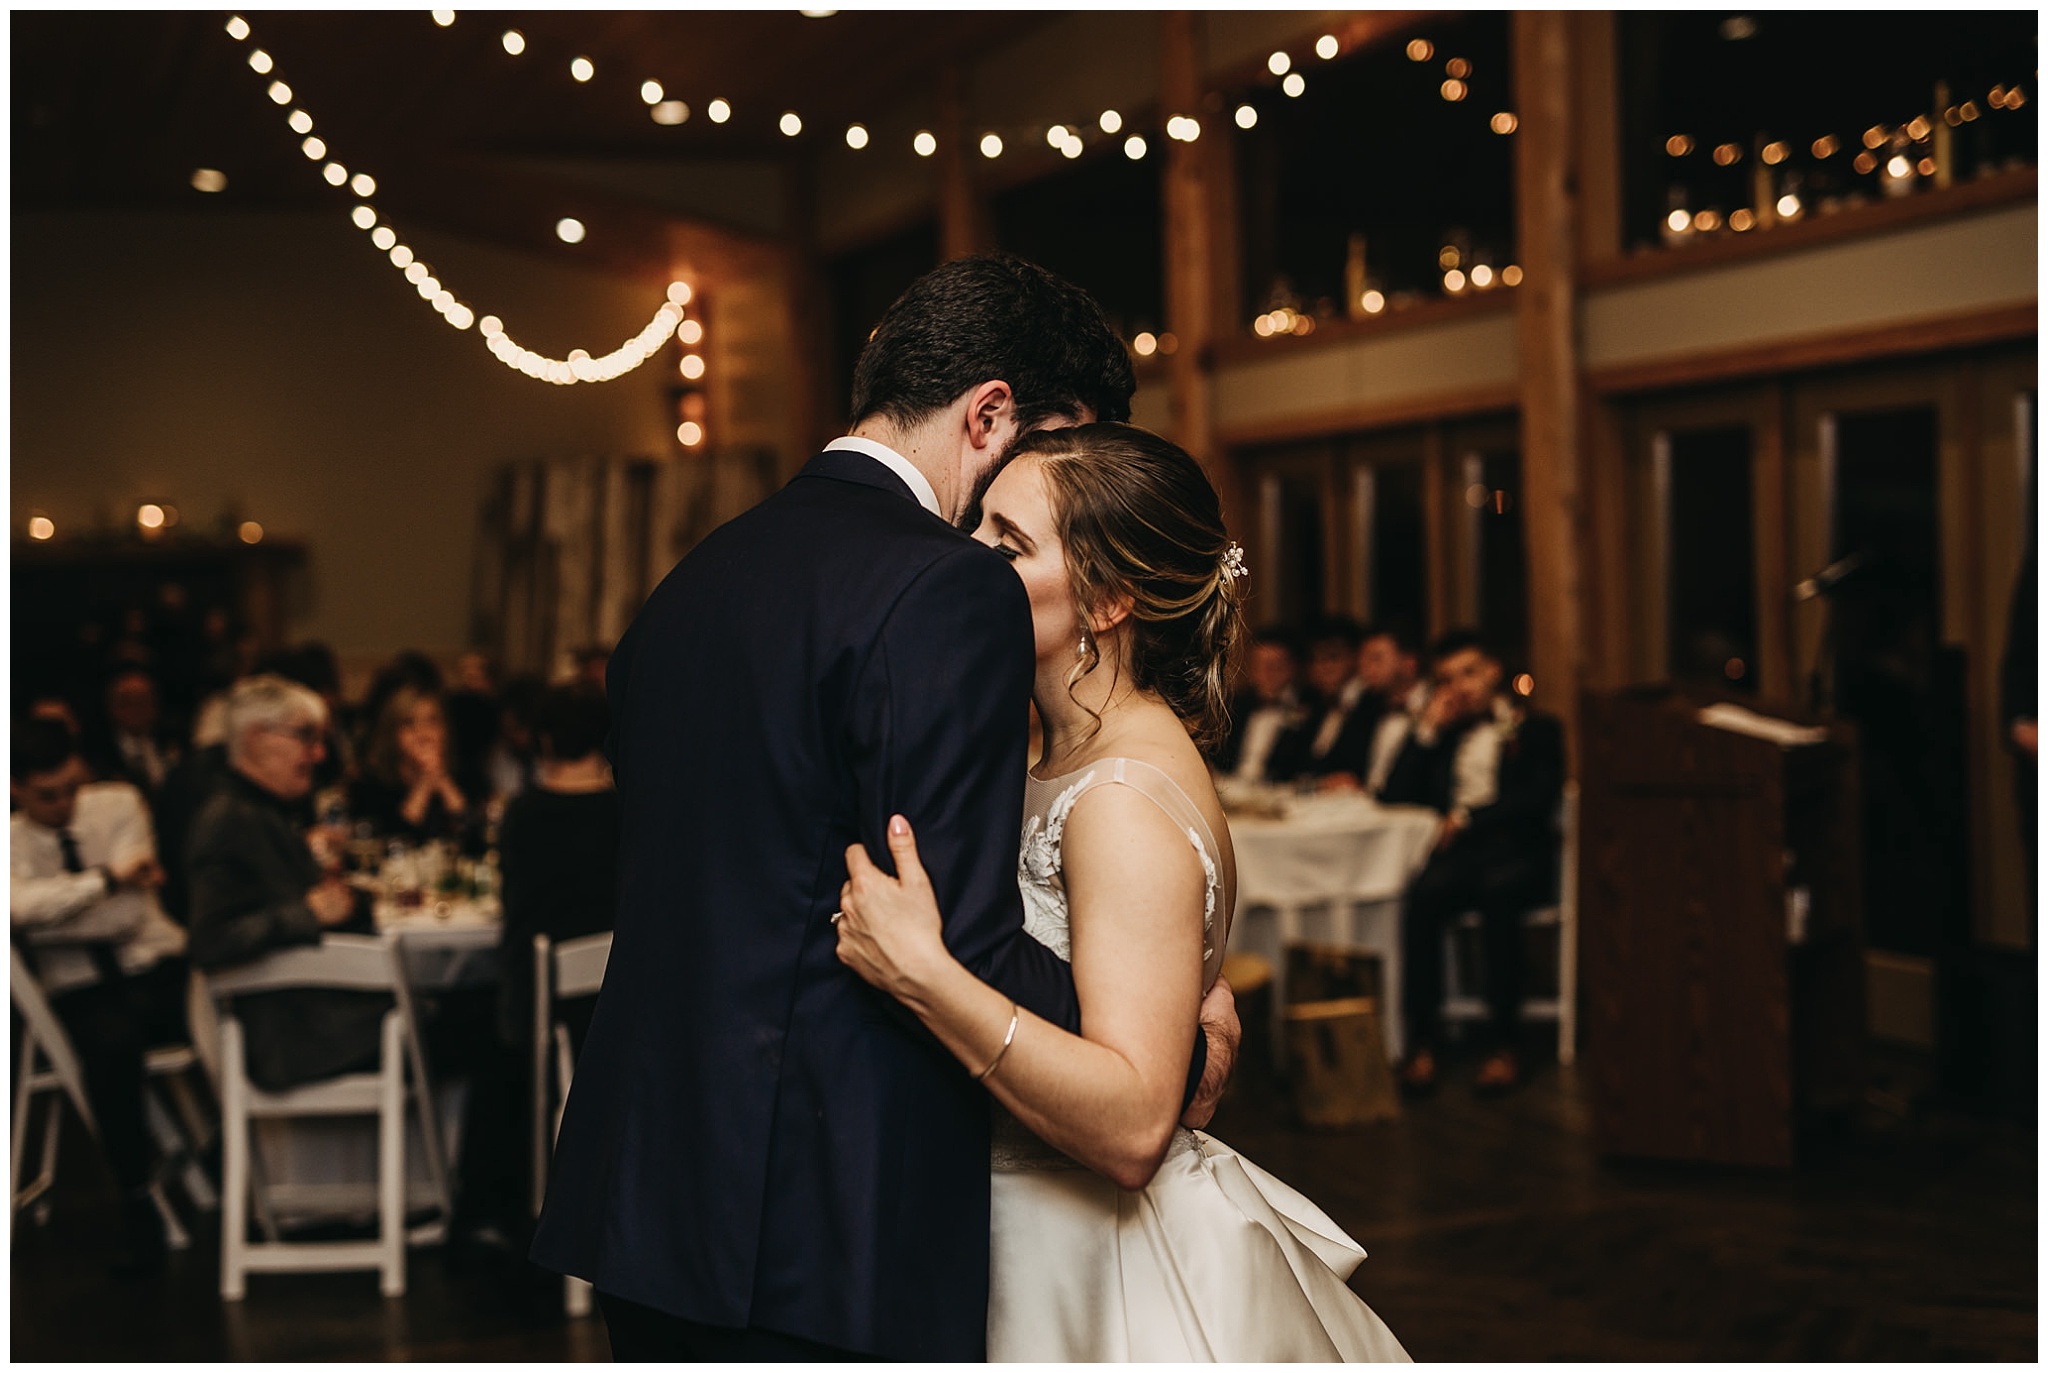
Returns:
(1547, 334)
(1194, 173)
(963, 228)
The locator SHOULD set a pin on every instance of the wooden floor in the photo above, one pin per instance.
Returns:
(1495, 1235)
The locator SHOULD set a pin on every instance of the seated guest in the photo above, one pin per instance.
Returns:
(256, 886)
(407, 790)
(132, 748)
(559, 847)
(510, 762)
(1263, 710)
(1389, 663)
(1495, 770)
(83, 866)
(312, 665)
(1336, 736)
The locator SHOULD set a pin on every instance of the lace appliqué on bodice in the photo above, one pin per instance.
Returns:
(1041, 876)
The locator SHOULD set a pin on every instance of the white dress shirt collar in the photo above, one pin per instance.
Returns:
(895, 462)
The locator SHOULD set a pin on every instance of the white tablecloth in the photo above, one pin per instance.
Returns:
(1330, 872)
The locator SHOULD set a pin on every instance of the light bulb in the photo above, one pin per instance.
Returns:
(1278, 63)
(924, 144)
(1327, 46)
(301, 122)
(250, 532)
(790, 124)
(1246, 117)
(209, 180)
(1111, 121)
(1295, 84)
(1503, 123)
(383, 238)
(1453, 89)
(719, 111)
(582, 69)
(690, 332)
(690, 433)
(670, 113)
(856, 137)
(401, 257)
(1073, 147)
(1482, 276)
(416, 271)
(40, 527)
(569, 230)
(514, 41)
(692, 366)
(679, 293)
(991, 145)
(260, 63)
(334, 174)
(1134, 147)
(363, 184)
(1056, 136)
(1373, 302)
(314, 148)
(491, 327)
(238, 27)
(1420, 50)
(1145, 345)
(363, 217)
(444, 17)
(650, 91)
(280, 94)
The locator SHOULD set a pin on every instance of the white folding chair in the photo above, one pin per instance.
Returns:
(1461, 1005)
(49, 1068)
(346, 962)
(573, 968)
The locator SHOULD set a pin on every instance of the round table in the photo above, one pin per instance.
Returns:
(1329, 870)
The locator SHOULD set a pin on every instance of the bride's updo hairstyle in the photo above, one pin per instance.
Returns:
(1140, 521)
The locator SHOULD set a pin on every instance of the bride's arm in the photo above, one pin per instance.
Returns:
(1135, 889)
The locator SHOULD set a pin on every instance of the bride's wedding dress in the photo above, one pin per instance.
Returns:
(1216, 1259)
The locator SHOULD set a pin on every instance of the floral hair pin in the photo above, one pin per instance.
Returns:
(1233, 562)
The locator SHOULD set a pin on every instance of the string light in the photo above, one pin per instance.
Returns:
(1134, 147)
(383, 238)
(1246, 117)
(1503, 123)
(364, 185)
(238, 27)
(1511, 275)
(250, 532)
(1788, 207)
(1774, 153)
(582, 69)
(1826, 146)
(790, 125)
(1278, 63)
(444, 17)
(334, 174)
(569, 230)
(300, 121)
(670, 113)
(991, 146)
(209, 180)
(690, 433)
(1327, 46)
(1678, 145)
(690, 333)
(1454, 281)
(692, 366)
(718, 111)
(514, 41)
(41, 528)
(1453, 89)
(1420, 50)
(1145, 345)
(260, 63)
(280, 94)
(679, 294)
(1458, 67)
(314, 148)
(363, 217)
(1373, 302)
(924, 145)
(1295, 84)
(1727, 154)
(1706, 221)
(651, 92)
(1073, 147)
(1742, 221)
(1482, 276)
(856, 137)
(1111, 122)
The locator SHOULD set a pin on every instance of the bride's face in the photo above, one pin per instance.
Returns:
(1016, 521)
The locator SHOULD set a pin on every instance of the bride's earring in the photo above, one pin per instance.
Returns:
(1082, 651)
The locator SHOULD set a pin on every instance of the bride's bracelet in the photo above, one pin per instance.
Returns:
(1008, 1037)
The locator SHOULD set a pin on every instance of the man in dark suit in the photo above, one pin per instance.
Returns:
(1333, 742)
(762, 1157)
(1495, 770)
(131, 746)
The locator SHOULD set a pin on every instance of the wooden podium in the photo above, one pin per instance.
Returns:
(1720, 927)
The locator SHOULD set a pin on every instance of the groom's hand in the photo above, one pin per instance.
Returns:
(1220, 1024)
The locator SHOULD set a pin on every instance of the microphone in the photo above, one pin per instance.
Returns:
(1824, 582)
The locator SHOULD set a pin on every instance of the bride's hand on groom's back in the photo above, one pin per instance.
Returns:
(1224, 1031)
(890, 929)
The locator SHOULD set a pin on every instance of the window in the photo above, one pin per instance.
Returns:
(1703, 488)
(1372, 173)
(1733, 122)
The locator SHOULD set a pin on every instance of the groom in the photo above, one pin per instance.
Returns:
(762, 1157)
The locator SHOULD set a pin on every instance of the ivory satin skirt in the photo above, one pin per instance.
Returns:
(1216, 1260)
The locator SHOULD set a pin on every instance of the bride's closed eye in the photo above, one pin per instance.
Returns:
(1012, 554)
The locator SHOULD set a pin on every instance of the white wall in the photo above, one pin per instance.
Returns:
(279, 362)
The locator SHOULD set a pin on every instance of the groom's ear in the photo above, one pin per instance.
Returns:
(989, 406)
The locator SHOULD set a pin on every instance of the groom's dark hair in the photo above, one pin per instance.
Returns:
(993, 318)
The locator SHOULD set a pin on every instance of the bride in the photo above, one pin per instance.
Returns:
(1115, 1234)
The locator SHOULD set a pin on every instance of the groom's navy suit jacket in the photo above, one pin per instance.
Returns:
(755, 1137)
